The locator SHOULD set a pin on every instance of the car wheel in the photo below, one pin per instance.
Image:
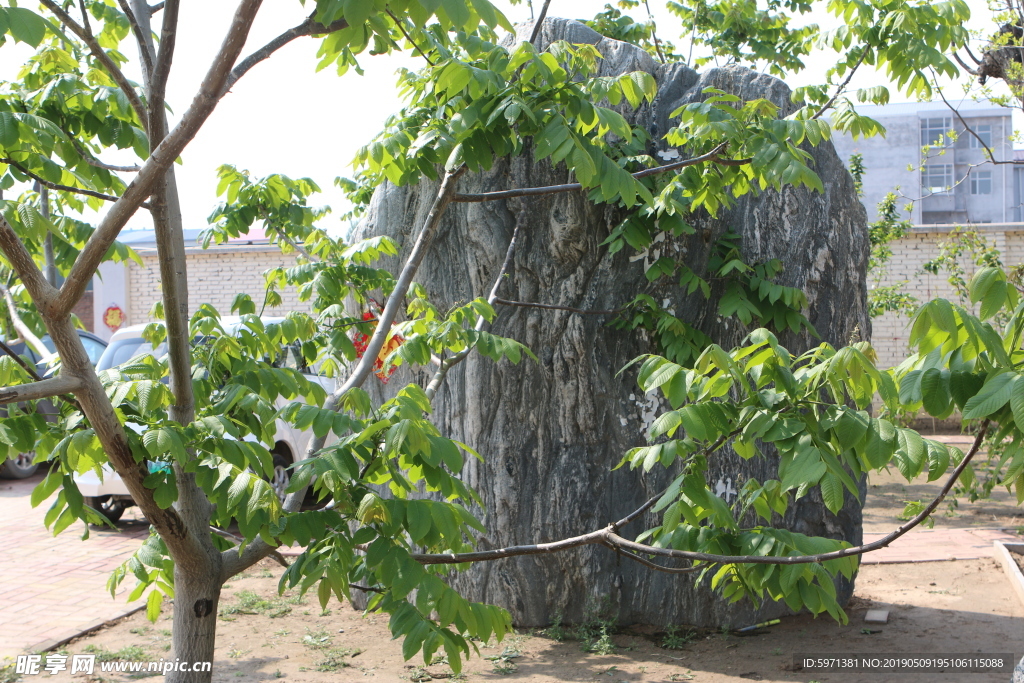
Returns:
(111, 509)
(20, 466)
(282, 476)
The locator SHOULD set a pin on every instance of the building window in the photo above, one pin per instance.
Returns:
(933, 129)
(985, 133)
(938, 178)
(981, 182)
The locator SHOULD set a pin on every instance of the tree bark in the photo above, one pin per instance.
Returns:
(196, 579)
(550, 432)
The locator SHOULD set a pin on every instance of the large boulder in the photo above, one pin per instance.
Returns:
(552, 431)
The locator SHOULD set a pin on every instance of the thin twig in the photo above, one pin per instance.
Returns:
(988, 150)
(582, 311)
(140, 37)
(842, 86)
(651, 565)
(93, 161)
(307, 28)
(65, 188)
(448, 363)
(21, 361)
(654, 33)
(554, 189)
(85, 17)
(401, 27)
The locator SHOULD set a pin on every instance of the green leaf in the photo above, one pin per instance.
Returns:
(935, 392)
(832, 492)
(993, 396)
(26, 26)
(153, 602)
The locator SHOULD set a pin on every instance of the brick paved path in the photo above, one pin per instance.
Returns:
(54, 587)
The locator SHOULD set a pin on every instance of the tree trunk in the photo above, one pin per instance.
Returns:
(551, 431)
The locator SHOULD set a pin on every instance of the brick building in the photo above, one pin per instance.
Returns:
(215, 276)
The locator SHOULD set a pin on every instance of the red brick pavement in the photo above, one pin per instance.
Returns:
(54, 587)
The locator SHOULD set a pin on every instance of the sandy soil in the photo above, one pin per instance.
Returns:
(937, 607)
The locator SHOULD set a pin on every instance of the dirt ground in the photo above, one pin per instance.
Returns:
(936, 607)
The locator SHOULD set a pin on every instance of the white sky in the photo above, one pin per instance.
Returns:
(283, 117)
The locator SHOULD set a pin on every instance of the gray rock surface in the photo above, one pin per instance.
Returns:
(551, 431)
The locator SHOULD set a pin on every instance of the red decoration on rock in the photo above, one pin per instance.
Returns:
(362, 341)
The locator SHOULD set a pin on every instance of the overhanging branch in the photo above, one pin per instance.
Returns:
(712, 156)
(48, 388)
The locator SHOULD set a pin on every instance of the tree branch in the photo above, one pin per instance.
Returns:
(141, 37)
(582, 311)
(307, 28)
(555, 189)
(401, 27)
(101, 56)
(539, 23)
(43, 294)
(449, 363)
(162, 68)
(57, 186)
(48, 388)
(234, 562)
(842, 86)
(20, 361)
(651, 565)
(90, 159)
(205, 101)
(20, 327)
(609, 537)
(278, 557)
(963, 64)
(989, 154)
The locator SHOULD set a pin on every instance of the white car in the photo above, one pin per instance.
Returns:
(107, 493)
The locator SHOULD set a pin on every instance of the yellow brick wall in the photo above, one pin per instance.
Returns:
(890, 333)
(214, 278)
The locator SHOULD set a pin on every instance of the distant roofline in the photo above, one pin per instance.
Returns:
(911, 108)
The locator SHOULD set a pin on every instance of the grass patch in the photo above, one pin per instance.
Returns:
(317, 640)
(676, 637)
(335, 658)
(249, 602)
(131, 652)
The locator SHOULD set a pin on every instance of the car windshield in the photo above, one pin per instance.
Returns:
(123, 350)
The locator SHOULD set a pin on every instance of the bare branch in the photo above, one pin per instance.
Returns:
(582, 311)
(297, 247)
(713, 155)
(58, 186)
(85, 16)
(48, 388)
(101, 56)
(651, 565)
(307, 28)
(141, 37)
(971, 55)
(449, 363)
(609, 537)
(963, 65)
(20, 327)
(162, 68)
(93, 161)
(20, 361)
(989, 154)
(153, 9)
(842, 86)
(539, 23)
(205, 101)
(401, 27)
(43, 294)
